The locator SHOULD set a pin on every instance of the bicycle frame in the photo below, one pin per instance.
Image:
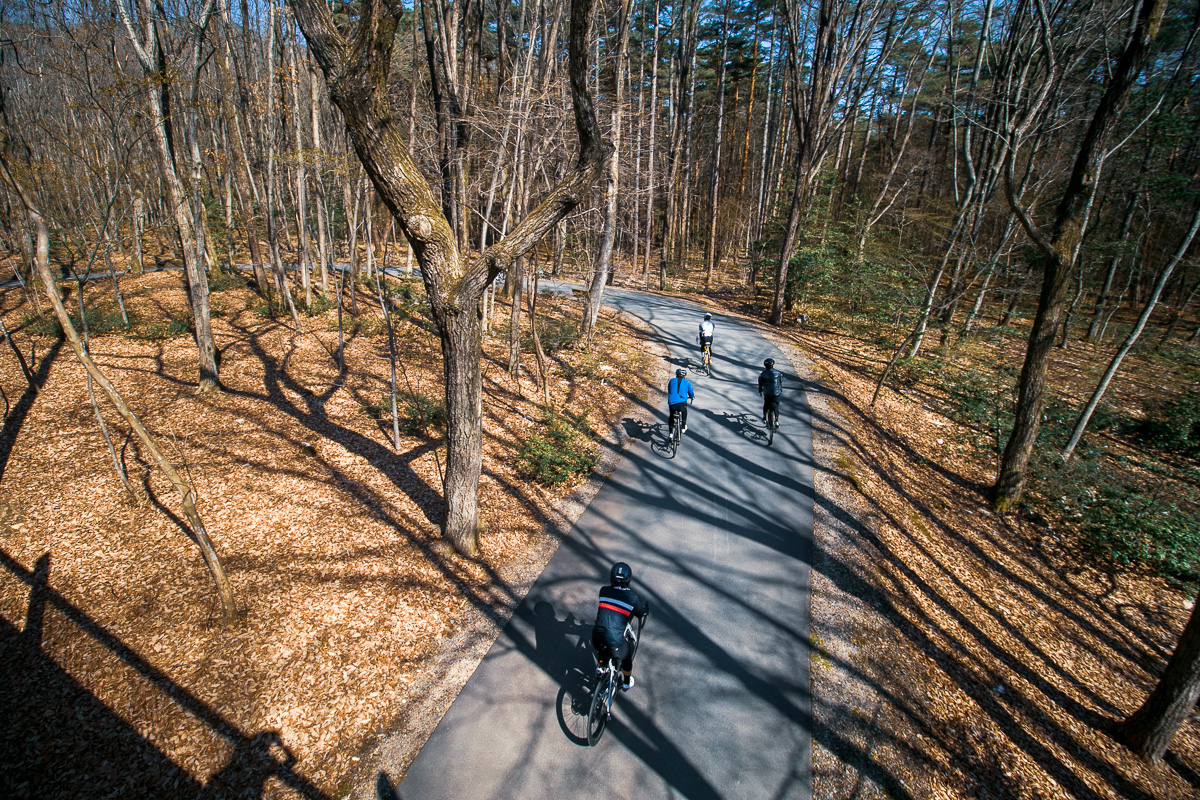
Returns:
(607, 681)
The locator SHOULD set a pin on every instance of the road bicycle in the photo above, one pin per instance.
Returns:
(772, 424)
(608, 681)
(674, 432)
(706, 365)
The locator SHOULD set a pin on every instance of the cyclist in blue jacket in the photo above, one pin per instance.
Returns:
(679, 392)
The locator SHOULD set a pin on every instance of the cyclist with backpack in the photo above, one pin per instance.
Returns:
(770, 386)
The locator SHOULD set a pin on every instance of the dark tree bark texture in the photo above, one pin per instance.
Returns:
(356, 66)
(1150, 729)
(1059, 249)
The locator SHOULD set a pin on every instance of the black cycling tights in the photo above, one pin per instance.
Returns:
(681, 409)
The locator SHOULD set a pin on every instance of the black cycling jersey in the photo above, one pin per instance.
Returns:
(617, 604)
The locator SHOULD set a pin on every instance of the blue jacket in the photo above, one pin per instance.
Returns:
(679, 390)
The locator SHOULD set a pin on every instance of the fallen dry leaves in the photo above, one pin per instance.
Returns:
(959, 653)
(120, 679)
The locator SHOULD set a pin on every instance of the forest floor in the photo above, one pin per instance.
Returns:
(120, 680)
(957, 653)
(960, 653)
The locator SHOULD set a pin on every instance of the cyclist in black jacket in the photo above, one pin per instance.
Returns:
(770, 386)
(618, 604)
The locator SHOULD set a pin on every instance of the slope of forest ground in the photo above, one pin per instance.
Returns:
(961, 653)
(957, 652)
(120, 679)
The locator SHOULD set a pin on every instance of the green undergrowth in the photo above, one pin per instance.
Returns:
(179, 324)
(103, 320)
(1128, 496)
(565, 450)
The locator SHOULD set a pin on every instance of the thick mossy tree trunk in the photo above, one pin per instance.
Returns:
(357, 66)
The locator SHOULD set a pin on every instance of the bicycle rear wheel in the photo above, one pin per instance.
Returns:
(673, 437)
(772, 424)
(601, 700)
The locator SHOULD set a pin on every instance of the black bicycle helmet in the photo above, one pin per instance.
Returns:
(620, 574)
(770, 362)
(679, 373)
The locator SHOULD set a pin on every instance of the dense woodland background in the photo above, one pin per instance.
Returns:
(923, 174)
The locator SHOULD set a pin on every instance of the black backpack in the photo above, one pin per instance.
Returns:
(773, 385)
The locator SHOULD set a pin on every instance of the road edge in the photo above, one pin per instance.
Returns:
(385, 757)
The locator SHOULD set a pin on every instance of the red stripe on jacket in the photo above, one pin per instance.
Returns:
(617, 609)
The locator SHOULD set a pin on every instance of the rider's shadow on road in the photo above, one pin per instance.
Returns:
(639, 430)
(684, 361)
(745, 424)
(563, 650)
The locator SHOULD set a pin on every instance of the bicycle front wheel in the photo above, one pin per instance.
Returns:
(598, 715)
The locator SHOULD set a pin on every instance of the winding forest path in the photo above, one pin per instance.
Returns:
(720, 540)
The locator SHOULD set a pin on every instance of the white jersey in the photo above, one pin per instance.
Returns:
(706, 328)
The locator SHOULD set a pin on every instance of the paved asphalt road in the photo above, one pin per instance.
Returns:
(720, 540)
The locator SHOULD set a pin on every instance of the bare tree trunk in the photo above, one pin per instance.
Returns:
(187, 494)
(650, 152)
(1113, 262)
(715, 179)
(153, 62)
(300, 175)
(323, 247)
(1131, 339)
(539, 355)
(1060, 247)
(1149, 730)
(683, 223)
(356, 68)
(240, 152)
(387, 319)
(281, 282)
(30, 379)
(517, 272)
(112, 451)
(806, 107)
(612, 179)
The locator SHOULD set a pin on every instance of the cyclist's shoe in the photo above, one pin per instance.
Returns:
(764, 419)
(627, 684)
(684, 429)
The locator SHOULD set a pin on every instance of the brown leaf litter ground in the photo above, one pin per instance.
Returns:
(119, 679)
(957, 652)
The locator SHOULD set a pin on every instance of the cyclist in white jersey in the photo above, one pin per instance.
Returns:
(706, 333)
